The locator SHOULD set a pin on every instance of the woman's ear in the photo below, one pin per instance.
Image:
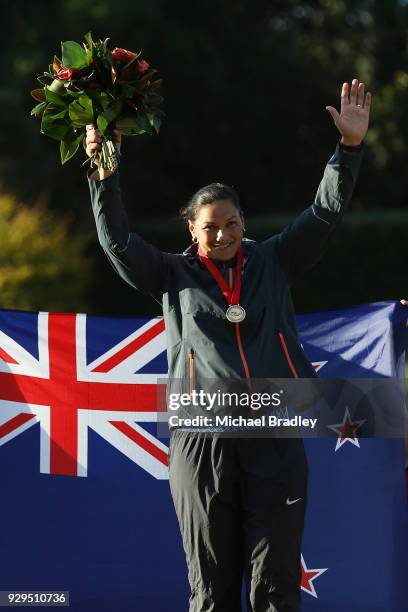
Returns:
(191, 228)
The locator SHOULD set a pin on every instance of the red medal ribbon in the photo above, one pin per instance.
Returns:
(232, 296)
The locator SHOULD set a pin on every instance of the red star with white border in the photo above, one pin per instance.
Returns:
(347, 430)
(308, 577)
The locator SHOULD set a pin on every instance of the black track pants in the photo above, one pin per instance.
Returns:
(240, 504)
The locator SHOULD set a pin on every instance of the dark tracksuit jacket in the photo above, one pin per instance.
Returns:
(202, 344)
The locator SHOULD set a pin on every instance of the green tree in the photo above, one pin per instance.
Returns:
(42, 267)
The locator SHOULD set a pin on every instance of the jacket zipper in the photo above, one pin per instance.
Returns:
(288, 358)
(191, 371)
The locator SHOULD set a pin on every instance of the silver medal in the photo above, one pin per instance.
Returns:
(235, 313)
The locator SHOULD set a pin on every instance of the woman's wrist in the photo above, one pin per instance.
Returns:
(350, 144)
(104, 174)
(100, 174)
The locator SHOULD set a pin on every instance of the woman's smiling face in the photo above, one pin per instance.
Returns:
(218, 228)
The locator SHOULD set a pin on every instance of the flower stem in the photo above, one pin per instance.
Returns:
(108, 155)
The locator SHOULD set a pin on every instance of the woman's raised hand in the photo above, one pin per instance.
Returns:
(352, 121)
(92, 140)
(92, 144)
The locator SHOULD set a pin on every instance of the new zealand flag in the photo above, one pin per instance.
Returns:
(85, 506)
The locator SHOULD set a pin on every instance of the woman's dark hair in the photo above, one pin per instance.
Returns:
(206, 195)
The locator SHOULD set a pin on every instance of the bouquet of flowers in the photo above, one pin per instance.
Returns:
(94, 84)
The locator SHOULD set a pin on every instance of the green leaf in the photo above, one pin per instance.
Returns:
(68, 148)
(37, 110)
(74, 93)
(105, 100)
(81, 111)
(109, 114)
(60, 114)
(156, 123)
(38, 94)
(128, 91)
(53, 123)
(143, 122)
(105, 45)
(128, 124)
(74, 55)
(58, 87)
(102, 123)
(88, 40)
(54, 98)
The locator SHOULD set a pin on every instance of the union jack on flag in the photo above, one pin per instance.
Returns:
(72, 372)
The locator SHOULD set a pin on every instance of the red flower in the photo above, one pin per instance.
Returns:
(122, 55)
(142, 66)
(65, 73)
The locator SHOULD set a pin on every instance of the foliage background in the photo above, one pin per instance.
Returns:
(245, 87)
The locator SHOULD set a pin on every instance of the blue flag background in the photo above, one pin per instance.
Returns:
(110, 536)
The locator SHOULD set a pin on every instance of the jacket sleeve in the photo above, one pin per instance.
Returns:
(138, 262)
(302, 243)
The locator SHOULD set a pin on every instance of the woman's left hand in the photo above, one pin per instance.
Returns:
(352, 121)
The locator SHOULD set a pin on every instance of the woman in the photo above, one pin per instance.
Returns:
(226, 301)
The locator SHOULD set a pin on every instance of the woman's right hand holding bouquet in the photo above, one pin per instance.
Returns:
(93, 143)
